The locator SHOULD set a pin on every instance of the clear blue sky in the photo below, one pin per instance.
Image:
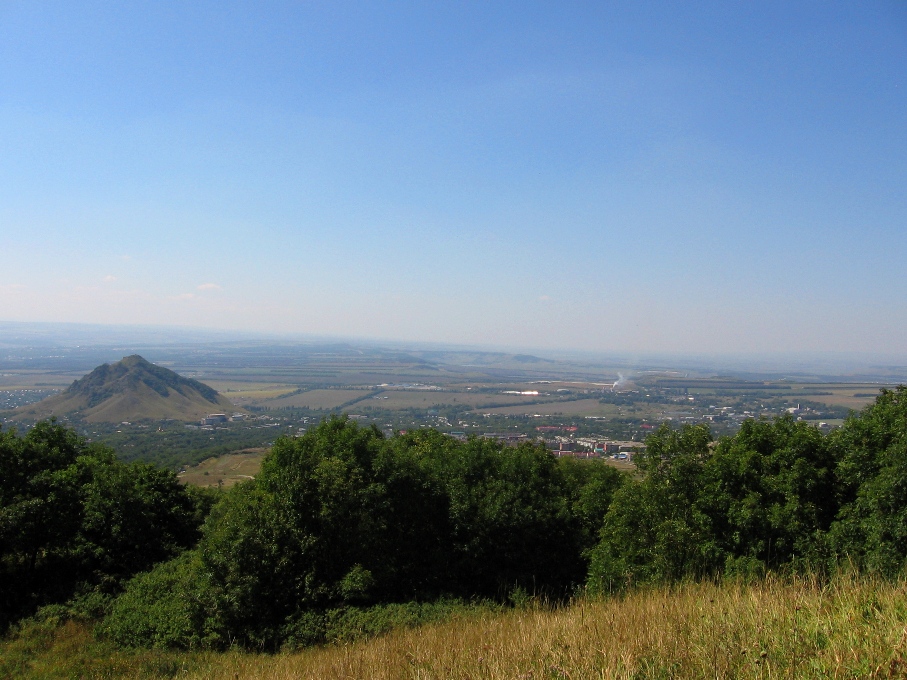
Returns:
(672, 177)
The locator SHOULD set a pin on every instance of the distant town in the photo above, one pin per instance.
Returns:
(572, 408)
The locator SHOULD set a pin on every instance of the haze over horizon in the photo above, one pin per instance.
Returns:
(718, 177)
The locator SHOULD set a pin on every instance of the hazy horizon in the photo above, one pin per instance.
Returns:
(708, 180)
(824, 365)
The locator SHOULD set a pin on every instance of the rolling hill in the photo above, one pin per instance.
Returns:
(130, 389)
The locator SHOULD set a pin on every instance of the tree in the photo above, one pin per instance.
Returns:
(591, 485)
(510, 520)
(73, 519)
(872, 526)
(772, 494)
(656, 528)
(342, 517)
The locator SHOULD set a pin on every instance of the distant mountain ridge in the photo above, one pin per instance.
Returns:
(131, 389)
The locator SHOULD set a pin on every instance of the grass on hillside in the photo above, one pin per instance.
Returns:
(851, 628)
(225, 471)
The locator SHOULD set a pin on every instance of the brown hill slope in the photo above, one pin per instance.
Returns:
(131, 389)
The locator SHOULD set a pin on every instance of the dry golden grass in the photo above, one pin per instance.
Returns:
(851, 629)
(225, 470)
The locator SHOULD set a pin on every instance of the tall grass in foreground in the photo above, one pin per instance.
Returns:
(797, 628)
(852, 628)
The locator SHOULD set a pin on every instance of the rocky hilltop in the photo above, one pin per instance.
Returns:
(130, 389)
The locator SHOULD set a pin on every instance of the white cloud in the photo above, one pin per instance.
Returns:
(209, 286)
(109, 278)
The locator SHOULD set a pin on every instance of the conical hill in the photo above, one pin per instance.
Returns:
(130, 389)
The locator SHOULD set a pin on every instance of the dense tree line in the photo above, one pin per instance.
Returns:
(775, 496)
(343, 519)
(177, 446)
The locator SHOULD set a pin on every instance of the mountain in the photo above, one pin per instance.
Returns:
(131, 389)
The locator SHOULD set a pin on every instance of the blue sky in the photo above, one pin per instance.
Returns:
(718, 177)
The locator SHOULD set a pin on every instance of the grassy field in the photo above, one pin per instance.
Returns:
(245, 393)
(401, 399)
(853, 395)
(580, 407)
(852, 628)
(316, 399)
(225, 471)
(330, 381)
(849, 395)
(25, 380)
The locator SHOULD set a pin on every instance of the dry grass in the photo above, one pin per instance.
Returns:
(316, 399)
(239, 390)
(853, 628)
(225, 470)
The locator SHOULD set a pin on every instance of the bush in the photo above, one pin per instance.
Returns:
(159, 609)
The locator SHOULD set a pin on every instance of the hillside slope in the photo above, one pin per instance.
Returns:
(130, 389)
(796, 628)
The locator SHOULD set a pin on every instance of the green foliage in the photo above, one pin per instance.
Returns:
(176, 445)
(342, 519)
(872, 527)
(510, 520)
(759, 500)
(656, 527)
(773, 485)
(345, 532)
(74, 520)
(347, 624)
(592, 484)
(162, 608)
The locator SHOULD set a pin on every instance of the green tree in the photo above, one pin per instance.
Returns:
(343, 518)
(872, 526)
(73, 519)
(772, 494)
(761, 499)
(591, 485)
(510, 520)
(656, 528)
